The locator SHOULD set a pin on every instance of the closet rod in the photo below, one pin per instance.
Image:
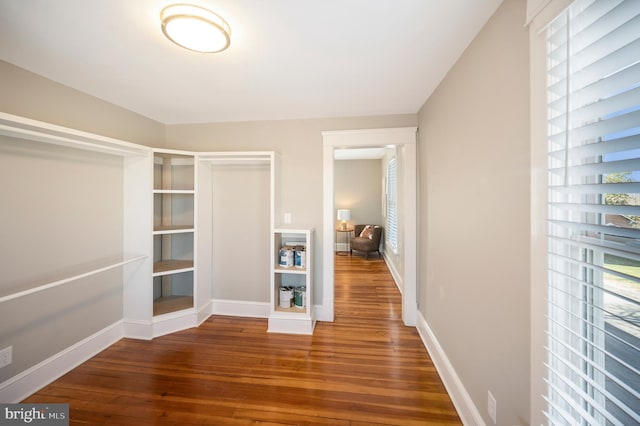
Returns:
(67, 280)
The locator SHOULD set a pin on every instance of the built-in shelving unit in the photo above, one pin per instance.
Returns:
(168, 239)
(291, 282)
(173, 231)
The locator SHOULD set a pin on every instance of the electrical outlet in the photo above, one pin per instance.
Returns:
(5, 356)
(491, 406)
(287, 218)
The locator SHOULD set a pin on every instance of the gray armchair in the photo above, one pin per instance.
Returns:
(366, 244)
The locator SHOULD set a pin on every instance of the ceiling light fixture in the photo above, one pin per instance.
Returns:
(195, 28)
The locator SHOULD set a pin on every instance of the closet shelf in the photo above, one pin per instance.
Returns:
(166, 267)
(292, 270)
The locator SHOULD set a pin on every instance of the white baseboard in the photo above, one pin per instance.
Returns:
(319, 313)
(397, 278)
(176, 321)
(240, 308)
(136, 329)
(35, 378)
(205, 312)
(290, 326)
(467, 410)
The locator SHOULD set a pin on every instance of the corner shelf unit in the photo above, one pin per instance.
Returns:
(173, 231)
(291, 282)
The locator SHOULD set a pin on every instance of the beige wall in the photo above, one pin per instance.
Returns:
(299, 145)
(358, 187)
(474, 223)
(241, 265)
(29, 95)
(61, 216)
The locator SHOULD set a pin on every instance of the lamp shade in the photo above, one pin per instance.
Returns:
(344, 214)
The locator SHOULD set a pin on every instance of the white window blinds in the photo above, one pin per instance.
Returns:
(392, 203)
(594, 214)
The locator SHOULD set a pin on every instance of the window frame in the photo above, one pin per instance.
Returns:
(391, 204)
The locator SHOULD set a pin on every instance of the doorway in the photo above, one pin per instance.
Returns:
(404, 139)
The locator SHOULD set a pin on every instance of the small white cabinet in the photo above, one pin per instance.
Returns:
(173, 232)
(291, 282)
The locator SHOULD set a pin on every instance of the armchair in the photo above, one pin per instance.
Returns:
(369, 241)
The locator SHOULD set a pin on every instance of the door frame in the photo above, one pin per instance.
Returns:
(339, 139)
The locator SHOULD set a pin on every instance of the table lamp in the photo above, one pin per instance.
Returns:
(344, 215)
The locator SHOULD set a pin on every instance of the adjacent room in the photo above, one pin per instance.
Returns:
(358, 212)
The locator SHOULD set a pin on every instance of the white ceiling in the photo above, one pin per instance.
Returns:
(287, 59)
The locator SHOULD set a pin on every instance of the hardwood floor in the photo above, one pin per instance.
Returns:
(366, 368)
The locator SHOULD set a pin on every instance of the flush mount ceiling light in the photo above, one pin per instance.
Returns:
(195, 28)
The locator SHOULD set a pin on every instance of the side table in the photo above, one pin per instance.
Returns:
(347, 240)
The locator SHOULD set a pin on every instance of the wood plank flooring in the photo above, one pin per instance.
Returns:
(366, 368)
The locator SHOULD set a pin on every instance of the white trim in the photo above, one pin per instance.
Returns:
(461, 399)
(540, 13)
(394, 272)
(318, 312)
(240, 308)
(31, 380)
(237, 157)
(147, 330)
(204, 312)
(175, 321)
(538, 226)
(137, 329)
(328, 233)
(285, 323)
(410, 231)
(401, 136)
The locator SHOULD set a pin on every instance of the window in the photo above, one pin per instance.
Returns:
(594, 214)
(392, 203)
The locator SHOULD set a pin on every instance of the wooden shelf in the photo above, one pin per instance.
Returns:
(292, 310)
(291, 270)
(173, 234)
(168, 266)
(165, 305)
